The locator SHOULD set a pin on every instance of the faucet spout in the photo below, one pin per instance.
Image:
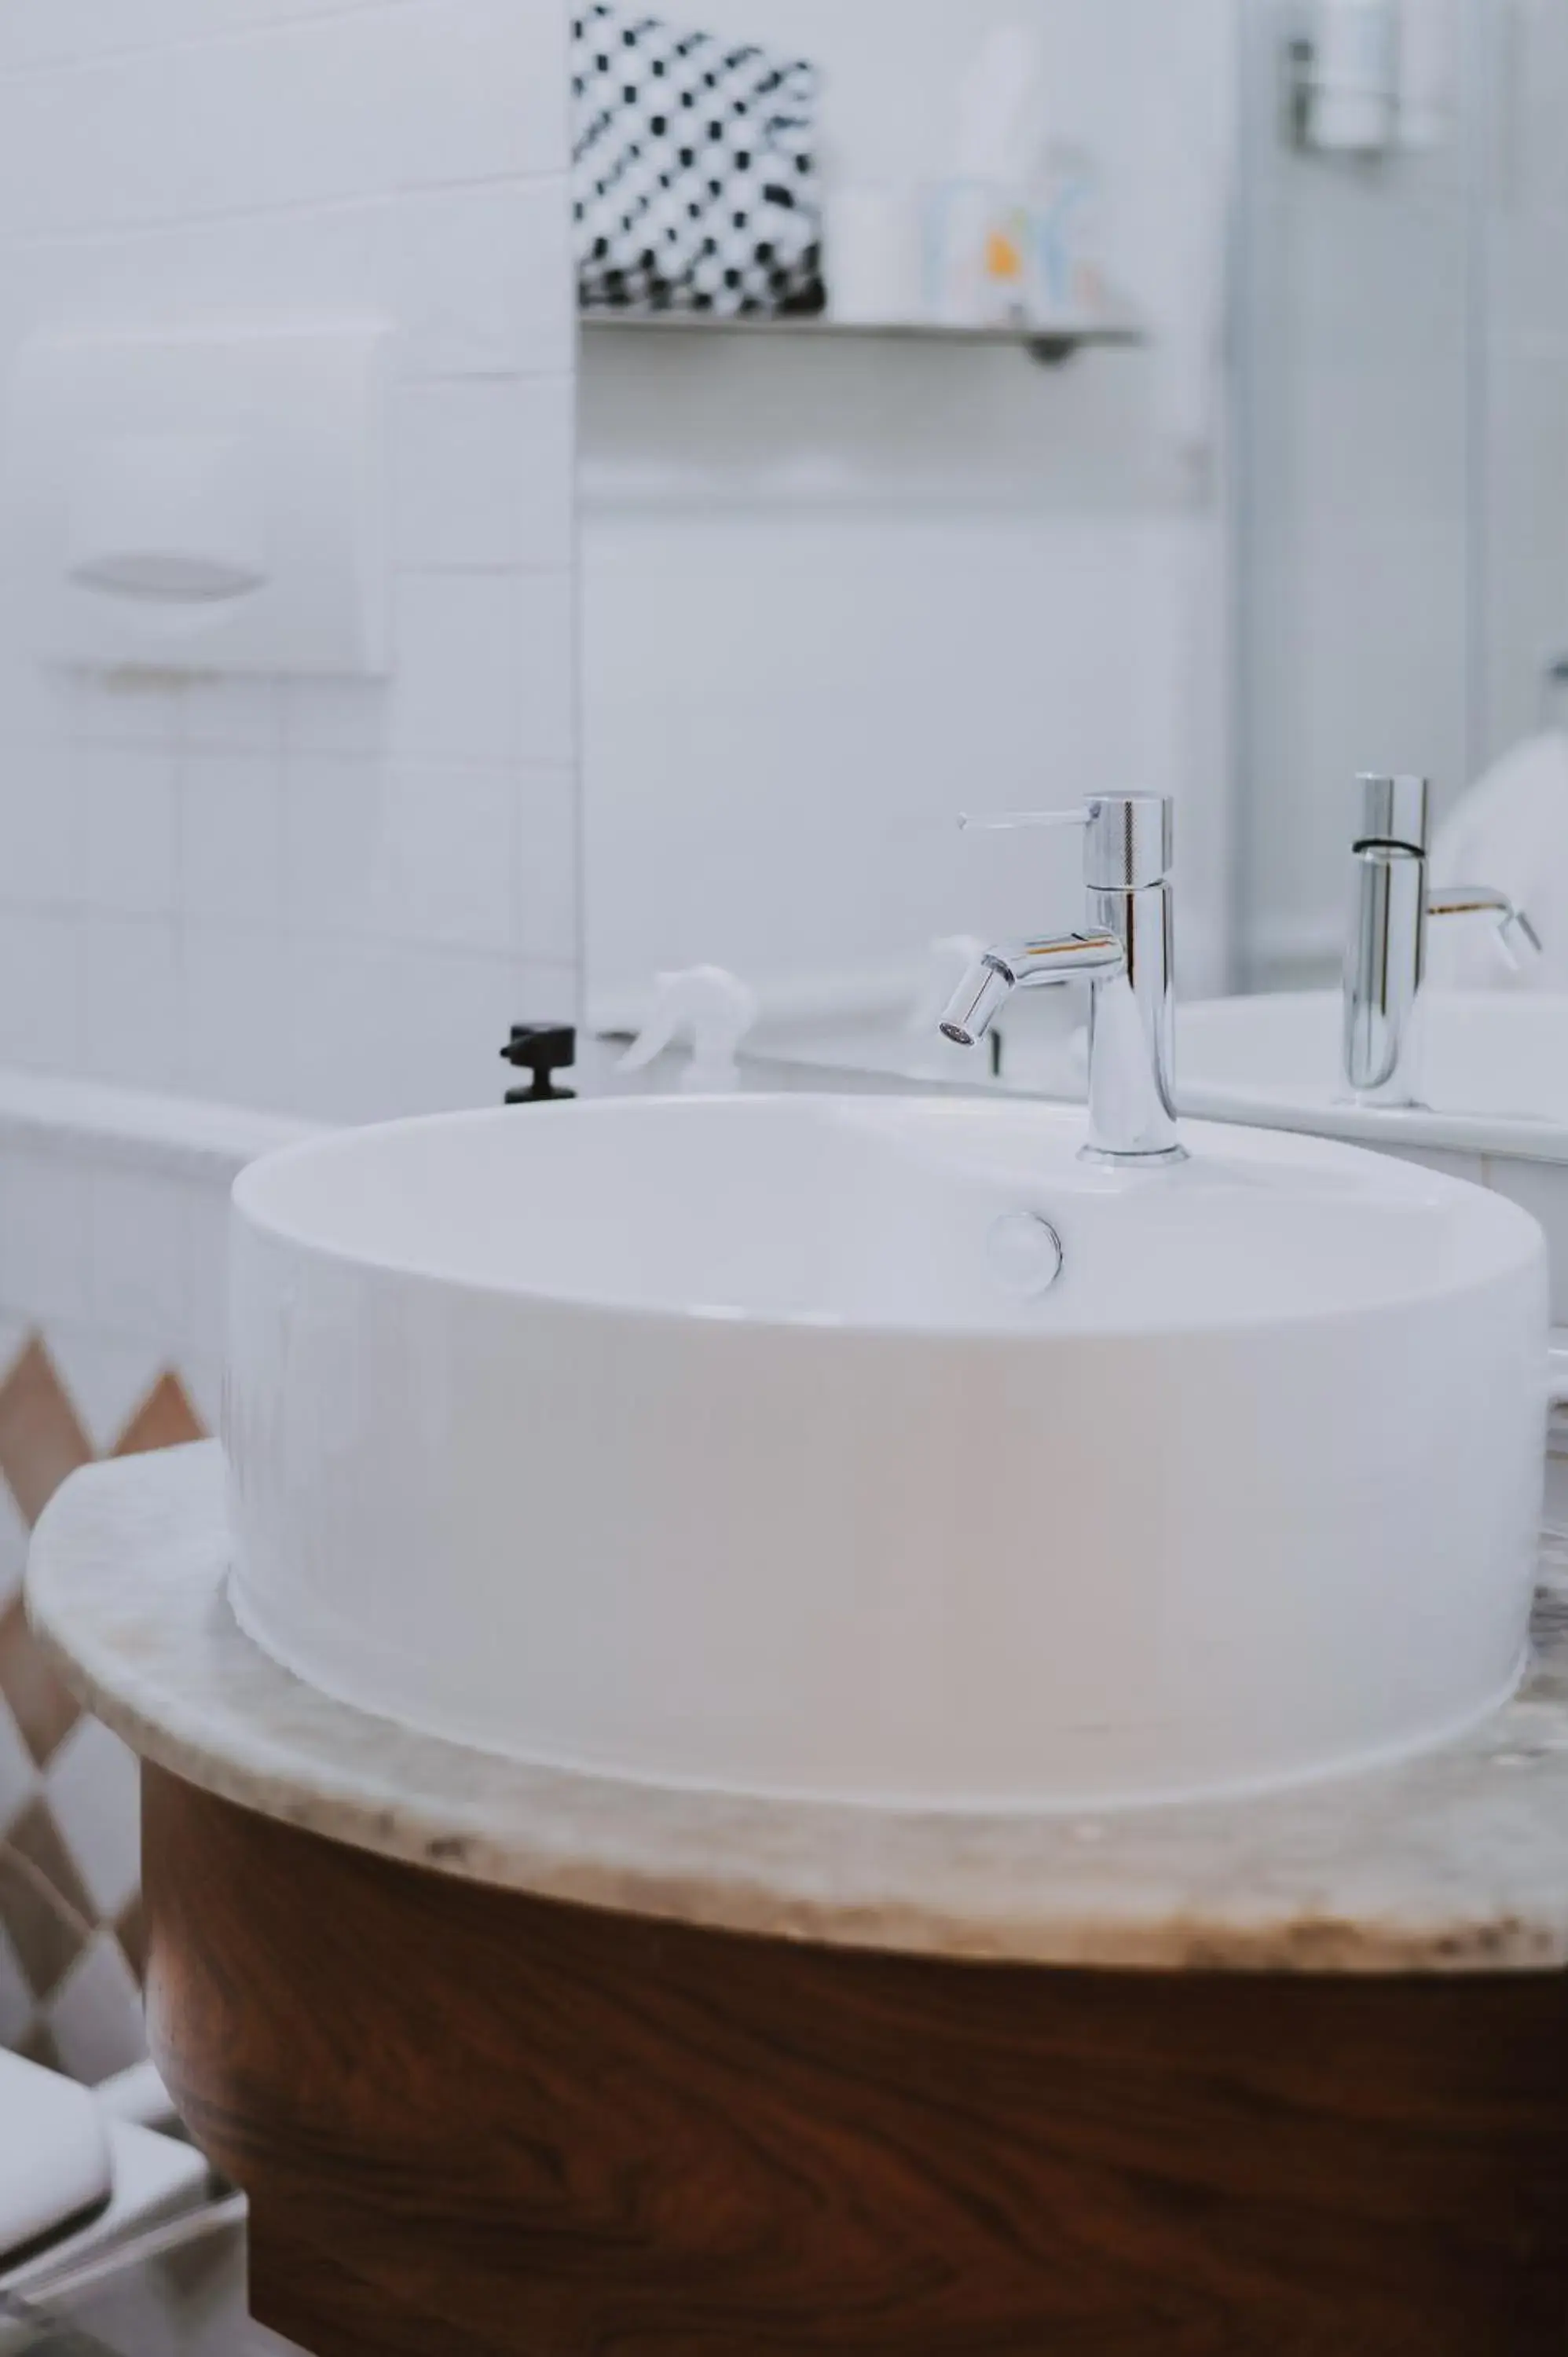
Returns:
(1517, 935)
(1029, 966)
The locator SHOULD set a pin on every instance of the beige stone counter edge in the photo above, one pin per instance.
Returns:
(1457, 1863)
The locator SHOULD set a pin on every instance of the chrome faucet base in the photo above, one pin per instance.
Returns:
(1397, 1097)
(1100, 1158)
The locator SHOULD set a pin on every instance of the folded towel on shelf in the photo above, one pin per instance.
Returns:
(1512, 831)
(696, 177)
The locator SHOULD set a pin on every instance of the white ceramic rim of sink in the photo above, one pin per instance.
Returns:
(1523, 1137)
(258, 1189)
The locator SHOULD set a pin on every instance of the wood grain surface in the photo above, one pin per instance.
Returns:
(472, 2124)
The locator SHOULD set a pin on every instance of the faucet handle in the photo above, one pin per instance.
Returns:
(1011, 822)
(1130, 837)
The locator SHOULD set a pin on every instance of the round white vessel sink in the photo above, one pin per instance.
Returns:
(748, 1444)
(1494, 1084)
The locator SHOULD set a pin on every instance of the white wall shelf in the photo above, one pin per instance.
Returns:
(1051, 342)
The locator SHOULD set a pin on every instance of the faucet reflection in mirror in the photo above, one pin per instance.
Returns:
(1126, 952)
(1385, 971)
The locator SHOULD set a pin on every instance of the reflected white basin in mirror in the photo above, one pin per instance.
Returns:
(1495, 1080)
(748, 1444)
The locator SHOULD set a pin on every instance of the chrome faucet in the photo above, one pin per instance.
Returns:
(1125, 953)
(1385, 969)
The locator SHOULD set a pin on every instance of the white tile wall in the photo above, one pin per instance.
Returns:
(41, 989)
(131, 981)
(484, 667)
(231, 838)
(126, 829)
(482, 281)
(484, 473)
(237, 1015)
(312, 896)
(37, 828)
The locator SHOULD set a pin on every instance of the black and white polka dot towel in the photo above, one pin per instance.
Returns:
(696, 179)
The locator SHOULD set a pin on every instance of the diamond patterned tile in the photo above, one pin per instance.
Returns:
(104, 1376)
(73, 1936)
(42, 1441)
(165, 1419)
(93, 1791)
(48, 1911)
(45, 1712)
(20, 1777)
(15, 1336)
(38, 2045)
(14, 1537)
(17, 2003)
(131, 1930)
(95, 2015)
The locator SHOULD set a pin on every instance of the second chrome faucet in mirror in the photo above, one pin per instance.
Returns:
(1393, 911)
(1126, 954)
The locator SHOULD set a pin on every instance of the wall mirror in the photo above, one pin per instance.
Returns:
(934, 524)
(1160, 410)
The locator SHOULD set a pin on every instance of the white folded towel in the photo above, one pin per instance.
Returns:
(1512, 831)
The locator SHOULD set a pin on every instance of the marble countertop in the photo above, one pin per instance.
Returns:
(1455, 1863)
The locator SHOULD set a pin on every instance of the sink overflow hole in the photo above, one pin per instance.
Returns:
(1026, 1253)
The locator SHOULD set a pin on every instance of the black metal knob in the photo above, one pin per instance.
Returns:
(542, 1050)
